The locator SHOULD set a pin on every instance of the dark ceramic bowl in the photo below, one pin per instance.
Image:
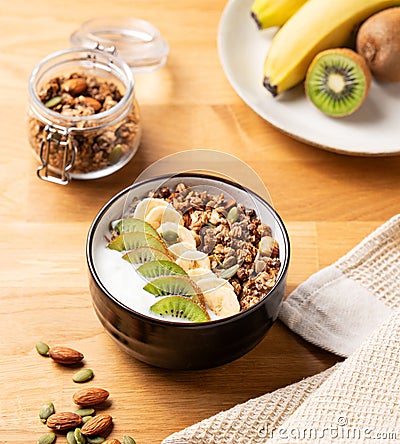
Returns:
(177, 345)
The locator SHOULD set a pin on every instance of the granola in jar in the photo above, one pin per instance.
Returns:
(197, 249)
(83, 123)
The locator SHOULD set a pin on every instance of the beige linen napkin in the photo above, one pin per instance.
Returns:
(349, 308)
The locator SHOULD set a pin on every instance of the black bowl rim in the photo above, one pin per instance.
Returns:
(182, 325)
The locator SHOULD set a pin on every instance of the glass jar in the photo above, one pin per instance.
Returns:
(83, 119)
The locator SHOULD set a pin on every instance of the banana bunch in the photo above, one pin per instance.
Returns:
(315, 26)
(269, 13)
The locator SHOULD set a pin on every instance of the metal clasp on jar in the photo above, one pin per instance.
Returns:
(66, 149)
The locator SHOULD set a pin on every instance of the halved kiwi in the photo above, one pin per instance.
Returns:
(338, 81)
(180, 307)
(155, 269)
(129, 224)
(145, 254)
(135, 239)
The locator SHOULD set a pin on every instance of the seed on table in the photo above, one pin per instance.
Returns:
(85, 419)
(84, 412)
(95, 439)
(79, 438)
(45, 411)
(42, 348)
(84, 375)
(128, 440)
(71, 437)
(47, 438)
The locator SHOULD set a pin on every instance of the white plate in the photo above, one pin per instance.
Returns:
(373, 130)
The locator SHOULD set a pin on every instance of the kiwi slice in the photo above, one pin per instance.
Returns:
(338, 81)
(155, 269)
(176, 285)
(145, 254)
(133, 224)
(135, 239)
(180, 307)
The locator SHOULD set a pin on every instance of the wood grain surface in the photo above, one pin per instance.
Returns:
(329, 202)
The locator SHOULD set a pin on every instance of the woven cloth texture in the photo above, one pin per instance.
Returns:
(340, 305)
(359, 402)
(355, 401)
(252, 421)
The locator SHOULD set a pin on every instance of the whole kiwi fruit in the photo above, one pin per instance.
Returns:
(378, 41)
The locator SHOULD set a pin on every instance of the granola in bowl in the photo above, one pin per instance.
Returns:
(200, 255)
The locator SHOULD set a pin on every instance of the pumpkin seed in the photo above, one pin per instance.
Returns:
(85, 412)
(47, 438)
(42, 348)
(128, 440)
(54, 101)
(85, 419)
(232, 215)
(86, 374)
(45, 411)
(115, 154)
(71, 437)
(229, 272)
(95, 439)
(79, 437)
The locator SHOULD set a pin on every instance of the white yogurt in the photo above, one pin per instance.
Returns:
(125, 284)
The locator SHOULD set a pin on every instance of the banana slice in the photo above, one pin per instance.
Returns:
(146, 205)
(180, 248)
(213, 283)
(188, 258)
(171, 230)
(197, 274)
(219, 296)
(161, 214)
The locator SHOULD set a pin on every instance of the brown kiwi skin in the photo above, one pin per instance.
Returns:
(378, 41)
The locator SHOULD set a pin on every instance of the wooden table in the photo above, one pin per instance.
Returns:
(329, 202)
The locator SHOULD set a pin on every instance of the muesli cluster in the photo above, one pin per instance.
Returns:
(198, 249)
(82, 95)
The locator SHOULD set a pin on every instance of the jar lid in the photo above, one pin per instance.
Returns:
(136, 41)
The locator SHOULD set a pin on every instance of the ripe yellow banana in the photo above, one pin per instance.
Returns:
(316, 26)
(268, 13)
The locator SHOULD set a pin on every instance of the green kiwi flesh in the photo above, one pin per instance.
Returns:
(173, 285)
(180, 307)
(145, 254)
(155, 269)
(135, 239)
(337, 82)
(133, 224)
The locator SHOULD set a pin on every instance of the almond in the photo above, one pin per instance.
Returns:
(63, 421)
(65, 355)
(98, 425)
(90, 396)
(90, 101)
(74, 86)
